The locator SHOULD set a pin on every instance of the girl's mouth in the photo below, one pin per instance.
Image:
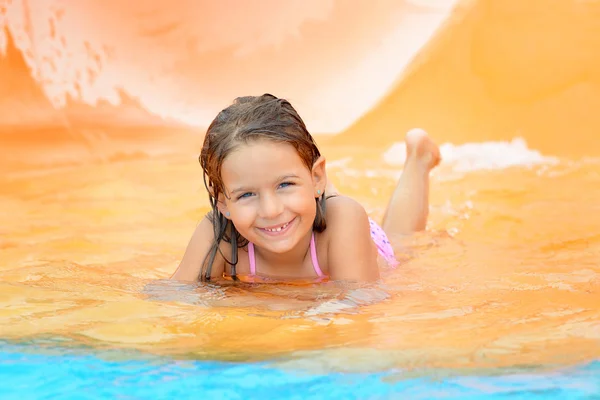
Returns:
(278, 229)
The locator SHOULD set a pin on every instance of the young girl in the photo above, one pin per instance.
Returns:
(275, 217)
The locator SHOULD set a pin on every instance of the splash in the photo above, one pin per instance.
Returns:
(479, 156)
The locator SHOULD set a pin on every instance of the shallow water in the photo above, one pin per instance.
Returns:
(506, 275)
(60, 374)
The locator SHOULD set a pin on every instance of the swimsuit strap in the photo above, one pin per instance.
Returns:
(251, 258)
(313, 257)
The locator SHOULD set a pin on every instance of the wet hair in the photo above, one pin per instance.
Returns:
(250, 118)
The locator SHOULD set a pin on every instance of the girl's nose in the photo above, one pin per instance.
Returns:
(270, 206)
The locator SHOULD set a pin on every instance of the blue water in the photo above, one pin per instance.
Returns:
(27, 372)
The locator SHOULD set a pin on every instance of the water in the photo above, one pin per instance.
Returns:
(505, 278)
(63, 374)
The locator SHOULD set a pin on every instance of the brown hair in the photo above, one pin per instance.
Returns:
(250, 118)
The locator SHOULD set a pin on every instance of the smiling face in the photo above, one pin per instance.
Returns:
(270, 193)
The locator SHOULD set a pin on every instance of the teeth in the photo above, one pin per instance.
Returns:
(277, 229)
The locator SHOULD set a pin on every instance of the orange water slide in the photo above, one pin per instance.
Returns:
(73, 62)
(484, 70)
(499, 69)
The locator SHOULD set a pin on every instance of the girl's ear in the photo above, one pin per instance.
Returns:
(319, 176)
(221, 206)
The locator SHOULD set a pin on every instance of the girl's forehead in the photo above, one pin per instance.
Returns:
(262, 158)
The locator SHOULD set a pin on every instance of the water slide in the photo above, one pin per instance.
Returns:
(466, 71)
(499, 69)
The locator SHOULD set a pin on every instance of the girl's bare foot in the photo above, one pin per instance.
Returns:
(421, 149)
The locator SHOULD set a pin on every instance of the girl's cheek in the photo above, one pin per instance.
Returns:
(245, 214)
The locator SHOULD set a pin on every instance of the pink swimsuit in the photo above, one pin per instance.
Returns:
(377, 234)
(384, 246)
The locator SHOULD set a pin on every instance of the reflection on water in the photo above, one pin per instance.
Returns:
(298, 301)
(507, 273)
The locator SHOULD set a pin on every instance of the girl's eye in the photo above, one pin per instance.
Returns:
(285, 184)
(244, 196)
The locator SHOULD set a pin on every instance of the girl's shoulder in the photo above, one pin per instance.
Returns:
(201, 252)
(342, 210)
(345, 218)
(351, 253)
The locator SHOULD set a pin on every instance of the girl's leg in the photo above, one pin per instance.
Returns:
(409, 206)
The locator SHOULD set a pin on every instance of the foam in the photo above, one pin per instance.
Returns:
(491, 155)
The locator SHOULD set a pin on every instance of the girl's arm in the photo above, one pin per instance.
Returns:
(352, 255)
(197, 249)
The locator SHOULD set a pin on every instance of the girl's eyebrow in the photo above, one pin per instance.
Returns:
(284, 177)
(240, 189)
(248, 189)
